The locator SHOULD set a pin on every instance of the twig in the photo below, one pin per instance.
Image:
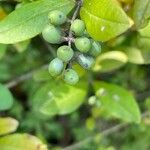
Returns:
(70, 36)
(24, 77)
(103, 133)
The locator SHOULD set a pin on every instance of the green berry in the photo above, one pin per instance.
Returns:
(95, 49)
(71, 77)
(65, 53)
(83, 44)
(85, 61)
(52, 34)
(55, 67)
(57, 17)
(78, 27)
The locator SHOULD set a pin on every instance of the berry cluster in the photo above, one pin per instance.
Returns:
(83, 49)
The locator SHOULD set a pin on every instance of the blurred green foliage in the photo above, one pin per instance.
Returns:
(61, 115)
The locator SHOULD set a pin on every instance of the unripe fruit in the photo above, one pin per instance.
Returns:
(78, 27)
(52, 34)
(83, 44)
(57, 17)
(85, 61)
(65, 53)
(71, 77)
(95, 49)
(55, 67)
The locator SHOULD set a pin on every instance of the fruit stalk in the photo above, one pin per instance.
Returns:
(75, 14)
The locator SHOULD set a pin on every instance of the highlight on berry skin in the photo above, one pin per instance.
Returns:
(52, 34)
(56, 67)
(65, 53)
(71, 77)
(57, 17)
(78, 27)
(83, 44)
(82, 50)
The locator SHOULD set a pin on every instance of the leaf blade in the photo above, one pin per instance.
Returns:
(118, 102)
(19, 142)
(145, 32)
(59, 98)
(100, 22)
(29, 20)
(110, 61)
(141, 12)
(6, 99)
(8, 125)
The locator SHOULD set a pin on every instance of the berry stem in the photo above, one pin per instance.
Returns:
(75, 14)
(67, 39)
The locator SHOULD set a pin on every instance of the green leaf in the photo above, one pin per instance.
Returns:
(110, 61)
(141, 12)
(6, 99)
(143, 43)
(137, 56)
(59, 98)
(21, 46)
(145, 32)
(21, 142)
(3, 48)
(41, 76)
(4, 71)
(30, 19)
(8, 125)
(104, 19)
(117, 102)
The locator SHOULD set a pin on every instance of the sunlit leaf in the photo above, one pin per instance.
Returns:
(8, 125)
(110, 61)
(21, 142)
(137, 56)
(104, 19)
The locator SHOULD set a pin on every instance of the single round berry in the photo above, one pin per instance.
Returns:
(83, 44)
(78, 27)
(65, 53)
(85, 61)
(52, 34)
(57, 17)
(95, 49)
(55, 67)
(71, 77)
